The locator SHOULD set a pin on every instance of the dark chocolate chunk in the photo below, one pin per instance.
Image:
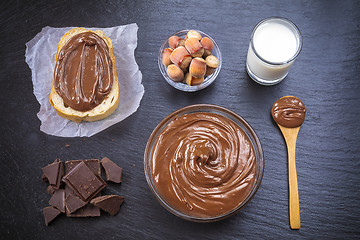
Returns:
(87, 211)
(93, 164)
(60, 176)
(58, 200)
(50, 213)
(73, 203)
(109, 203)
(84, 182)
(51, 172)
(43, 177)
(112, 170)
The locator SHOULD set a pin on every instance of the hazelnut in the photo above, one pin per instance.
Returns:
(174, 41)
(212, 61)
(208, 46)
(166, 56)
(175, 73)
(181, 43)
(194, 47)
(190, 80)
(209, 70)
(180, 57)
(197, 67)
(193, 34)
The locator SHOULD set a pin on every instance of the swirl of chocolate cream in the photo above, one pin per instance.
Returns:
(289, 112)
(83, 74)
(203, 164)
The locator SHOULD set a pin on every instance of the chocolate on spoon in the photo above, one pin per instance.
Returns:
(289, 113)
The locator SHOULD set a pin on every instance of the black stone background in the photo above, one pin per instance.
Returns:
(325, 76)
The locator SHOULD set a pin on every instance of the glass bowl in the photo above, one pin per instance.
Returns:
(183, 86)
(207, 108)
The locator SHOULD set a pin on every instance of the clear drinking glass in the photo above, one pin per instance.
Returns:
(275, 44)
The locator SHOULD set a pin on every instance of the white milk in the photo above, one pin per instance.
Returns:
(277, 42)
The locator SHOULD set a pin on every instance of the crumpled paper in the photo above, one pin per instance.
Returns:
(40, 56)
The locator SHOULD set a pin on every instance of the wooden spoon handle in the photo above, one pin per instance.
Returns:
(294, 210)
(290, 135)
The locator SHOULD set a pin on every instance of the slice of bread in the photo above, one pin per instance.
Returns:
(106, 107)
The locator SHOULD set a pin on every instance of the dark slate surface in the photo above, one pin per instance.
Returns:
(325, 77)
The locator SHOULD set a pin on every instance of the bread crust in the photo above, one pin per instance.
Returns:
(106, 107)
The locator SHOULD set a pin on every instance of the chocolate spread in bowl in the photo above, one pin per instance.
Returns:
(203, 164)
(83, 74)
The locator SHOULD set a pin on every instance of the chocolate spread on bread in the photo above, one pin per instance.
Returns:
(289, 112)
(203, 164)
(83, 74)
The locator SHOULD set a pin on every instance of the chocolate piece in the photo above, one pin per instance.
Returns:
(51, 172)
(109, 203)
(93, 164)
(43, 177)
(60, 176)
(112, 170)
(84, 182)
(73, 203)
(50, 213)
(289, 112)
(87, 211)
(58, 200)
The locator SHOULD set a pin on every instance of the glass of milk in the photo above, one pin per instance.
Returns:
(275, 43)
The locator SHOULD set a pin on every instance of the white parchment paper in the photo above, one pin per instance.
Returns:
(40, 56)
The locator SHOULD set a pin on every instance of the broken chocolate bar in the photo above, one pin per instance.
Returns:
(112, 170)
(109, 203)
(84, 182)
(73, 203)
(50, 213)
(58, 200)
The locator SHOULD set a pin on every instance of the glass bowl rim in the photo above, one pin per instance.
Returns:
(221, 111)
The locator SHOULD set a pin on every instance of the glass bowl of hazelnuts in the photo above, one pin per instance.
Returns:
(189, 60)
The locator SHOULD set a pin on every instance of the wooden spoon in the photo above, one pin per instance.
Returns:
(289, 113)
